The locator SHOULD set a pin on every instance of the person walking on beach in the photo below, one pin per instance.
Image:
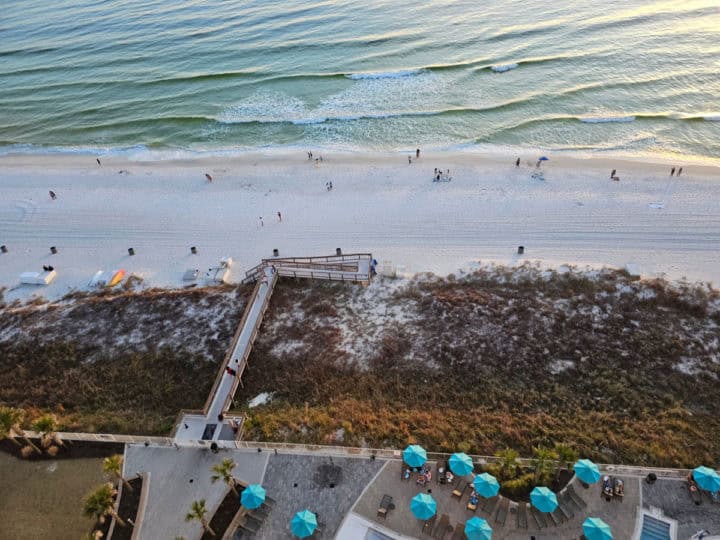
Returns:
(672, 171)
(209, 178)
(679, 171)
(612, 174)
(52, 195)
(409, 160)
(417, 153)
(309, 156)
(517, 162)
(98, 160)
(279, 216)
(261, 222)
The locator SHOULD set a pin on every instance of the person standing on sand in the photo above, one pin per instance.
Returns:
(261, 222)
(209, 178)
(309, 156)
(98, 160)
(279, 216)
(52, 195)
(672, 171)
(679, 171)
(417, 153)
(612, 174)
(517, 162)
(409, 160)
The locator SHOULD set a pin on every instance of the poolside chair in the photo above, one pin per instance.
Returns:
(576, 499)
(386, 504)
(538, 518)
(460, 489)
(522, 516)
(428, 525)
(502, 511)
(442, 527)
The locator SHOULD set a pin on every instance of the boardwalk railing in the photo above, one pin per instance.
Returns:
(339, 451)
(326, 262)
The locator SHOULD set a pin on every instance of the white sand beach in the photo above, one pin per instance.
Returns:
(381, 204)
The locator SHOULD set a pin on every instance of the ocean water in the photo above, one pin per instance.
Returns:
(627, 76)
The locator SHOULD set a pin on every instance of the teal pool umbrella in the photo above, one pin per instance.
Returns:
(423, 506)
(707, 478)
(596, 529)
(486, 485)
(461, 464)
(543, 499)
(253, 496)
(415, 455)
(478, 529)
(587, 471)
(303, 524)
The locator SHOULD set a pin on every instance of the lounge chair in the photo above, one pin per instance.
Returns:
(442, 527)
(538, 518)
(502, 511)
(557, 516)
(459, 532)
(428, 525)
(576, 499)
(386, 504)
(460, 489)
(472, 506)
(490, 505)
(522, 516)
(564, 508)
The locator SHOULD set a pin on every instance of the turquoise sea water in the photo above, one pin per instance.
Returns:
(619, 75)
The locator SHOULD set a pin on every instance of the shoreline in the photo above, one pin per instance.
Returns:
(379, 204)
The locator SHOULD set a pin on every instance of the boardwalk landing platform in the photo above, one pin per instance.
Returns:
(213, 423)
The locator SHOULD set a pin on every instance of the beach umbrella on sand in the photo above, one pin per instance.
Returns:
(707, 479)
(415, 455)
(423, 506)
(543, 499)
(587, 471)
(478, 529)
(253, 496)
(461, 464)
(596, 529)
(486, 485)
(303, 524)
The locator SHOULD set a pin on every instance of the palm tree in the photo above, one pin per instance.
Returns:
(543, 463)
(566, 457)
(507, 463)
(10, 422)
(101, 503)
(198, 512)
(113, 465)
(46, 425)
(224, 473)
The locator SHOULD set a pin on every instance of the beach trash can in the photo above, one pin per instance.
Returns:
(53, 250)
(521, 250)
(3, 249)
(338, 251)
(131, 251)
(193, 250)
(276, 252)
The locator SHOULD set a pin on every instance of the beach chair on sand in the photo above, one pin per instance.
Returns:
(522, 516)
(386, 504)
(460, 489)
(557, 517)
(459, 532)
(429, 525)
(490, 505)
(538, 518)
(565, 510)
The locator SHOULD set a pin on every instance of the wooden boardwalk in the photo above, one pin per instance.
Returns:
(211, 423)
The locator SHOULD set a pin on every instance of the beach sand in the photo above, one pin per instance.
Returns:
(379, 204)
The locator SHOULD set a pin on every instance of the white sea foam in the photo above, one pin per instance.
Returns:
(712, 117)
(385, 74)
(606, 119)
(501, 68)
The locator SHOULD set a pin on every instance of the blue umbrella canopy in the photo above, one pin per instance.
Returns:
(543, 499)
(303, 524)
(596, 529)
(707, 478)
(587, 471)
(478, 529)
(253, 496)
(415, 455)
(423, 506)
(461, 464)
(486, 485)
(543, 158)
